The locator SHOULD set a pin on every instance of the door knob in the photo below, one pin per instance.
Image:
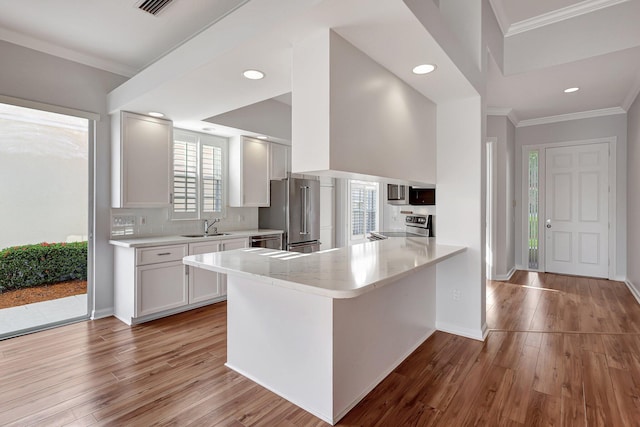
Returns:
(548, 223)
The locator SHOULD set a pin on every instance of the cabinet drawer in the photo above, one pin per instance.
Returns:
(158, 254)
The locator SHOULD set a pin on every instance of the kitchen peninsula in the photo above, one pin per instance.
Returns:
(323, 329)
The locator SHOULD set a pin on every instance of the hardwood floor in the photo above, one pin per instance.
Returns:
(562, 351)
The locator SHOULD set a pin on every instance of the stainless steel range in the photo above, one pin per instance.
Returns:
(414, 225)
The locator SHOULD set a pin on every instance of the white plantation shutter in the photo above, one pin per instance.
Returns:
(364, 208)
(185, 175)
(198, 171)
(211, 178)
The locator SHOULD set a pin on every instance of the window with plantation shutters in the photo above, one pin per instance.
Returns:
(363, 202)
(211, 178)
(185, 175)
(198, 171)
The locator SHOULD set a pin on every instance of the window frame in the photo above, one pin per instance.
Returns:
(201, 140)
(365, 184)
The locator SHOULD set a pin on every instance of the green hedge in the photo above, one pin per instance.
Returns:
(43, 263)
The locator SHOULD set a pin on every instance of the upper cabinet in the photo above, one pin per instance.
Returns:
(280, 161)
(141, 153)
(249, 172)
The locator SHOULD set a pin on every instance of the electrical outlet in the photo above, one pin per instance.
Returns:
(455, 294)
(124, 220)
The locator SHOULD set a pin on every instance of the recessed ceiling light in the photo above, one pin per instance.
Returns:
(262, 137)
(253, 74)
(424, 69)
(155, 114)
(208, 129)
(571, 89)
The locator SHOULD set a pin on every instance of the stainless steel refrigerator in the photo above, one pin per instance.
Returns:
(295, 208)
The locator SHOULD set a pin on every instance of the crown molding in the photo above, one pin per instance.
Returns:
(501, 16)
(64, 53)
(584, 7)
(508, 112)
(572, 116)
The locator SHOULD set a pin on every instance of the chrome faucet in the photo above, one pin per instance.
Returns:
(207, 226)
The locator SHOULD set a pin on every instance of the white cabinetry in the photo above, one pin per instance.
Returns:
(153, 282)
(229, 245)
(149, 281)
(280, 161)
(141, 153)
(206, 285)
(248, 172)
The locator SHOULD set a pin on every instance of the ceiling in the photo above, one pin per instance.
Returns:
(551, 45)
(187, 60)
(113, 35)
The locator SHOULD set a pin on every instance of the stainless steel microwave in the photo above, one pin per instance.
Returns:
(397, 194)
(422, 196)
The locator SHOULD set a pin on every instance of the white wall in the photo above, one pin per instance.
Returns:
(608, 29)
(579, 130)
(501, 128)
(461, 217)
(633, 197)
(31, 75)
(378, 125)
(269, 117)
(44, 175)
(464, 19)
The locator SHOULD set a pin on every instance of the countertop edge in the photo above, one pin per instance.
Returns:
(141, 242)
(335, 294)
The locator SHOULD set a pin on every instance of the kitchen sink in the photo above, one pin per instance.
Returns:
(205, 235)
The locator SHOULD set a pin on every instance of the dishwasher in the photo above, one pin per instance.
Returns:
(269, 241)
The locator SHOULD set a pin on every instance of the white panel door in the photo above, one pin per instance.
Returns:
(577, 210)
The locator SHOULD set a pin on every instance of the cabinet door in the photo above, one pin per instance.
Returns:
(279, 161)
(145, 160)
(160, 287)
(203, 284)
(229, 245)
(255, 173)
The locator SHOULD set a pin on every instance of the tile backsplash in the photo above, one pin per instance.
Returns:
(156, 222)
(393, 215)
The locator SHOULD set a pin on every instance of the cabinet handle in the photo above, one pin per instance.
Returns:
(186, 270)
(164, 253)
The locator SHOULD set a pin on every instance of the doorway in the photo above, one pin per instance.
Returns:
(570, 204)
(46, 216)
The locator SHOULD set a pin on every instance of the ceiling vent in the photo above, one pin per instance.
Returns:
(154, 6)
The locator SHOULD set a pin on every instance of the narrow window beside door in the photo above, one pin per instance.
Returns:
(533, 211)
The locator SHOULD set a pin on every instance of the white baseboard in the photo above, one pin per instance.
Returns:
(99, 314)
(634, 290)
(505, 277)
(476, 334)
(485, 331)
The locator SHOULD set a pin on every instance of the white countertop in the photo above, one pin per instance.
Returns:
(336, 273)
(141, 242)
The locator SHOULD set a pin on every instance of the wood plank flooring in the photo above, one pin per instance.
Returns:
(562, 351)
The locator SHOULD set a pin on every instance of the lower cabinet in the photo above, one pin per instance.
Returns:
(160, 287)
(206, 285)
(153, 282)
